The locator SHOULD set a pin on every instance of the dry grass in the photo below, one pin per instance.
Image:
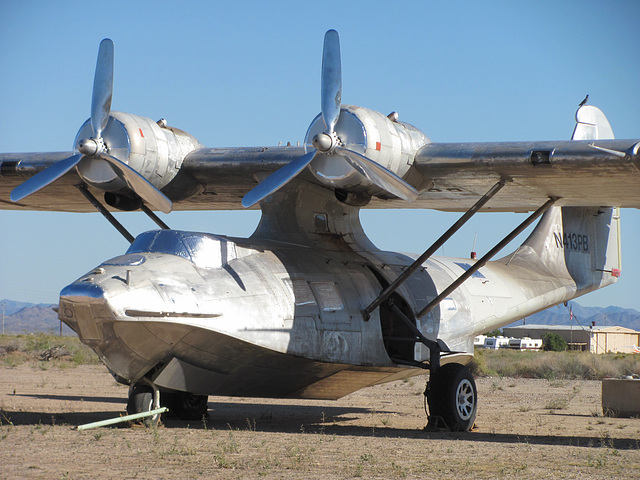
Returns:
(46, 349)
(551, 438)
(554, 365)
(67, 351)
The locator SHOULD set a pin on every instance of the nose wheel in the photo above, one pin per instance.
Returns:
(144, 398)
(453, 397)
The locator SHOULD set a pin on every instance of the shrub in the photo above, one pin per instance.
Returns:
(478, 365)
(553, 342)
(16, 349)
(554, 365)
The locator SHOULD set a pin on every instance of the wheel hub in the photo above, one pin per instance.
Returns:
(465, 399)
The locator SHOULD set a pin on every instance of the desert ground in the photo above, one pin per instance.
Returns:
(525, 429)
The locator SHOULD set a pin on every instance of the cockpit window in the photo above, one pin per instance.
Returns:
(206, 251)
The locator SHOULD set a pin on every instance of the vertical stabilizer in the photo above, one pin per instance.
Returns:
(591, 245)
(578, 245)
(591, 124)
(576, 249)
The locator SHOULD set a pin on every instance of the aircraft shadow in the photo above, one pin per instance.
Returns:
(309, 419)
(17, 418)
(308, 424)
(329, 420)
(75, 398)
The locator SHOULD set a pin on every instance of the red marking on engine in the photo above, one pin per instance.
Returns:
(378, 146)
(141, 134)
(615, 272)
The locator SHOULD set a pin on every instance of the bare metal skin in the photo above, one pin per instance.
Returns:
(307, 306)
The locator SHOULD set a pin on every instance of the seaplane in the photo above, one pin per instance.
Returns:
(308, 307)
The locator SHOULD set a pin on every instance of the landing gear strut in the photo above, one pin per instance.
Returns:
(452, 397)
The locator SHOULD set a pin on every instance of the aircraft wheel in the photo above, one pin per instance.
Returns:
(185, 405)
(141, 400)
(452, 396)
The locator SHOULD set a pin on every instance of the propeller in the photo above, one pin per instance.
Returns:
(328, 142)
(95, 148)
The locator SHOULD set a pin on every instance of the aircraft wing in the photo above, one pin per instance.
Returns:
(453, 176)
(208, 179)
(579, 173)
(366, 157)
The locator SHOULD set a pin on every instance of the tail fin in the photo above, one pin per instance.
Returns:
(577, 249)
(591, 244)
(591, 124)
(577, 245)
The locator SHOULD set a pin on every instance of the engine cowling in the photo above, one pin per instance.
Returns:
(385, 140)
(154, 151)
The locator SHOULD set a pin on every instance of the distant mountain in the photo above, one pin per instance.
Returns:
(11, 306)
(609, 316)
(21, 317)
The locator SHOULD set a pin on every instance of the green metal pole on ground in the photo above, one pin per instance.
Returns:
(126, 418)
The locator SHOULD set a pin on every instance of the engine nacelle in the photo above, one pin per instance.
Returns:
(155, 152)
(386, 141)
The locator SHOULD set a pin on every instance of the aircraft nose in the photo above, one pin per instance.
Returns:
(82, 306)
(102, 307)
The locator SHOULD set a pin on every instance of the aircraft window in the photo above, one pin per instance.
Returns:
(170, 244)
(328, 296)
(206, 251)
(123, 260)
(301, 291)
(466, 266)
(449, 304)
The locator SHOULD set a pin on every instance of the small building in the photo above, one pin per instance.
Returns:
(600, 339)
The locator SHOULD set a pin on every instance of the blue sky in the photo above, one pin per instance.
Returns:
(248, 73)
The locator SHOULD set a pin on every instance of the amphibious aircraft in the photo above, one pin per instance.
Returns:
(307, 306)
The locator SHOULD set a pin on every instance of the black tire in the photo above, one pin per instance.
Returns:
(452, 395)
(185, 405)
(141, 400)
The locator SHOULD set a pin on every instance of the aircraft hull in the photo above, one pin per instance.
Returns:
(248, 327)
(259, 317)
(179, 356)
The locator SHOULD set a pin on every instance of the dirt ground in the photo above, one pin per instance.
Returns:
(525, 429)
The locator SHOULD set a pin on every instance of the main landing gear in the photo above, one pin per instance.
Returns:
(451, 391)
(144, 397)
(452, 397)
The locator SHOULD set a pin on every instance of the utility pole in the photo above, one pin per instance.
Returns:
(3, 302)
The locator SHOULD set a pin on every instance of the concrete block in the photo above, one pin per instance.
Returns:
(621, 397)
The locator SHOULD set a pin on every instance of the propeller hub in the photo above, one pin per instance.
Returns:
(91, 147)
(324, 142)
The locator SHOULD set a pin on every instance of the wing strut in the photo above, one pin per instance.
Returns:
(480, 263)
(154, 217)
(387, 292)
(106, 213)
